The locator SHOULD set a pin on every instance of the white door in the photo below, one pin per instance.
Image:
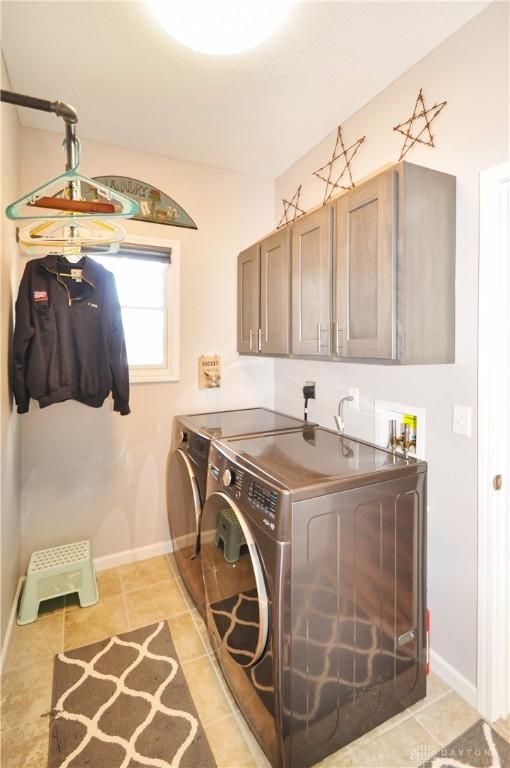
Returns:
(494, 445)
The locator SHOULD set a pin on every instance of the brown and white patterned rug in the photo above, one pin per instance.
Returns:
(124, 703)
(478, 747)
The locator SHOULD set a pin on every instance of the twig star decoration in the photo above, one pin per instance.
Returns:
(328, 172)
(287, 206)
(424, 136)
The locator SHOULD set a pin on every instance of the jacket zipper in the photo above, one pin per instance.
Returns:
(69, 299)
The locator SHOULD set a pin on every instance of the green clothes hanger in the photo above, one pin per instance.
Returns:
(70, 192)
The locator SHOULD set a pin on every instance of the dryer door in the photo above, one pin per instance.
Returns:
(236, 595)
(184, 509)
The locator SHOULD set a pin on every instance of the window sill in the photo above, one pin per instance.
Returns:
(151, 376)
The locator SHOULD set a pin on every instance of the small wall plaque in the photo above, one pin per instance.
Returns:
(209, 371)
(156, 206)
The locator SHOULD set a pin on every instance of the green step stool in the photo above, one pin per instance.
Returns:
(229, 531)
(58, 571)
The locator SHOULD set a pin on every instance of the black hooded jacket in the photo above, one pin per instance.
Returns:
(68, 336)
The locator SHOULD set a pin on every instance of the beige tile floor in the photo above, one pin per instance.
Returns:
(140, 593)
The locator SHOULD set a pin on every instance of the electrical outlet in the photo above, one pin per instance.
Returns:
(309, 390)
(354, 403)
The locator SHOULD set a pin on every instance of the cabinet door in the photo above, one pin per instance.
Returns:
(248, 300)
(365, 270)
(274, 294)
(311, 254)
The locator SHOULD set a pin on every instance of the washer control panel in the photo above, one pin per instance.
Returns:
(239, 481)
(230, 477)
(262, 498)
(250, 492)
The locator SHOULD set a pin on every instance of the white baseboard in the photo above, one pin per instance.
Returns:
(453, 677)
(12, 619)
(133, 555)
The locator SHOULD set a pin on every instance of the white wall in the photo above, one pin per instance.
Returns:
(470, 71)
(9, 445)
(92, 473)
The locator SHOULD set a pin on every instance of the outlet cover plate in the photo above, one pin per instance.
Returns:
(354, 404)
(462, 420)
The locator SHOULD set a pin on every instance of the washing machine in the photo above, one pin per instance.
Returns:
(187, 474)
(317, 615)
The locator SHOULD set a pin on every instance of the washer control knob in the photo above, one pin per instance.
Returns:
(228, 478)
(183, 437)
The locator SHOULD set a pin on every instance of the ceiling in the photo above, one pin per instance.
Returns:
(255, 112)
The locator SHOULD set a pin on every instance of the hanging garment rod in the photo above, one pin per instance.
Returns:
(60, 108)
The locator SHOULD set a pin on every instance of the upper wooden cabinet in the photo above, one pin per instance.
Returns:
(425, 265)
(311, 259)
(372, 276)
(394, 268)
(263, 285)
(364, 314)
(274, 294)
(248, 300)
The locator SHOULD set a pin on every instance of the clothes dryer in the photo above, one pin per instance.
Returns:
(319, 626)
(187, 474)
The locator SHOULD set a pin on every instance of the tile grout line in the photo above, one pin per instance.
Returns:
(156, 621)
(427, 704)
(185, 598)
(227, 694)
(434, 738)
(427, 730)
(197, 627)
(212, 722)
(384, 729)
(64, 625)
(124, 601)
(147, 586)
(39, 659)
(250, 739)
(192, 658)
(407, 715)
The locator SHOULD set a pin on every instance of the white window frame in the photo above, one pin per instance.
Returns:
(146, 374)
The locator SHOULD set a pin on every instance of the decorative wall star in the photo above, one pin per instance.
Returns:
(287, 205)
(424, 136)
(345, 157)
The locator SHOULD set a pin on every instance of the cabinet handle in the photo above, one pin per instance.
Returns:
(259, 334)
(251, 340)
(338, 346)
(320, 330)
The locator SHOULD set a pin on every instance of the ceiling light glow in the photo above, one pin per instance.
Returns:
(220, 27)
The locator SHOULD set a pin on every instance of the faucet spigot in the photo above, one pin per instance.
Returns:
(339, 421)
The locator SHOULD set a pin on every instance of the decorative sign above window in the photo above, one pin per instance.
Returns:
(155, 206)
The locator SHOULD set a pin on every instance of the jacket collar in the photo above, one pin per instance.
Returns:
(90, 268)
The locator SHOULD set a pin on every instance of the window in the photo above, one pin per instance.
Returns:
(147, 274)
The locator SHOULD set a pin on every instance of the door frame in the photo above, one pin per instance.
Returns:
(493, 653)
